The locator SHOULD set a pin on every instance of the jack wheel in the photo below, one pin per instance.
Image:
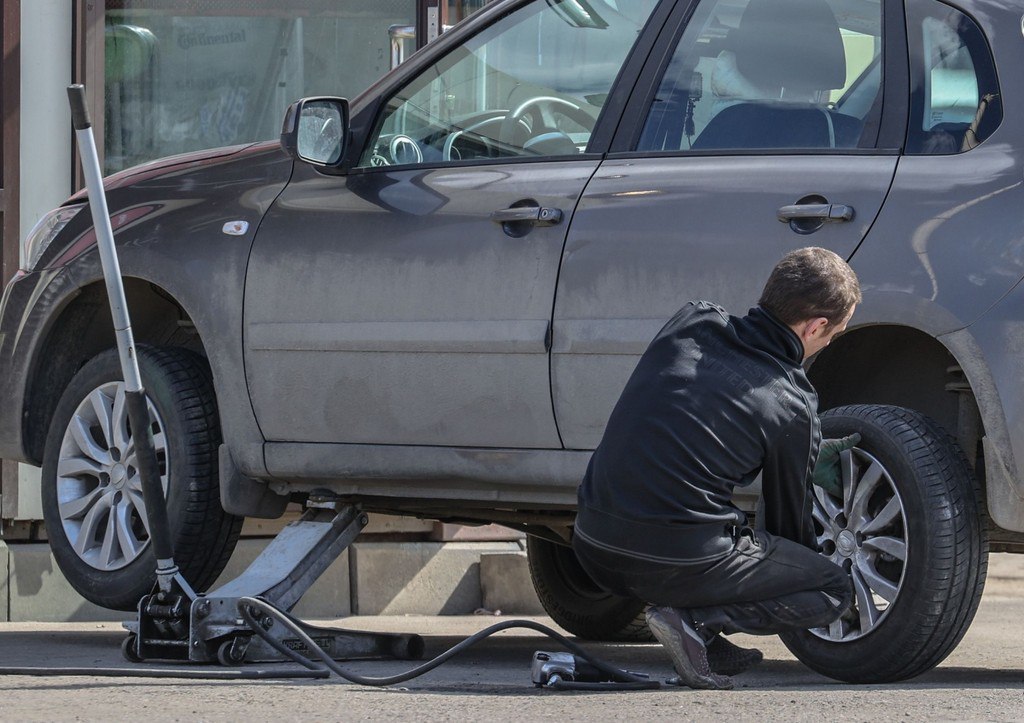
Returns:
(231, 653)
(129, 649)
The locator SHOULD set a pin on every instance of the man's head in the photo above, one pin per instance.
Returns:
(814, 292)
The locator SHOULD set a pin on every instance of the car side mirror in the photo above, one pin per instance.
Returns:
(315, 131)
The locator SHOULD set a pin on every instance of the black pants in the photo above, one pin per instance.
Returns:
(763, 585)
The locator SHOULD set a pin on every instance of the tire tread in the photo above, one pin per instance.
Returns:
(954, 578)
(204, 535)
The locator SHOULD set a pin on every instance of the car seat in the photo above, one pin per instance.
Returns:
(792, 52)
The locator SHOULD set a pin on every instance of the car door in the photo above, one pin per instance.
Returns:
(761, 131)
(409, 300)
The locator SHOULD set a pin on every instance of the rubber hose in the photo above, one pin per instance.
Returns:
(244, 603)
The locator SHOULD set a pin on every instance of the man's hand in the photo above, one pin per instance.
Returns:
(827, 473)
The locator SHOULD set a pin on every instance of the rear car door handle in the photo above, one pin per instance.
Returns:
(533, 215)
(825, 212)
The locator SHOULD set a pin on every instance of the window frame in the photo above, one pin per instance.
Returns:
(915, 42)
(369, 107)
(889, 117)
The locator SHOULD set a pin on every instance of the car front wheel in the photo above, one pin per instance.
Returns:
(909, 531)
(93, 507)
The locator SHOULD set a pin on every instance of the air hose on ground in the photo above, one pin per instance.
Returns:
(616, 679)
(611, 678)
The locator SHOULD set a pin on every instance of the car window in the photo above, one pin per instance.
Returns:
(532, 84)
(955, 101)
(770, 74)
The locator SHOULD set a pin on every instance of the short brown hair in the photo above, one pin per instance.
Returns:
(809, 283)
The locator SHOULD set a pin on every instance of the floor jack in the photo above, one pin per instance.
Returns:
(247, 620)
(182, 625)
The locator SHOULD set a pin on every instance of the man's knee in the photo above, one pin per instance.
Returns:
(837, 586)
(817, 571)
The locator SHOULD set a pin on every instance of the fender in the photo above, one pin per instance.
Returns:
(990, 387)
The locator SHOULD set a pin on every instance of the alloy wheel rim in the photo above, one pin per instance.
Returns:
(99, 491)
(865, 533)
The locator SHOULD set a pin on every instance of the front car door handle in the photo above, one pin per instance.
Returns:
(533, 215)
(833, 212)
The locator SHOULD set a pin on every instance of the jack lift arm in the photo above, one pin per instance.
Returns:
(207, 628)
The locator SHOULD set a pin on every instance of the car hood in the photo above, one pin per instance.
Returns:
(237, 182)
(175, 164)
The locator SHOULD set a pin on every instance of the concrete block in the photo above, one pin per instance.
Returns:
(446, 532)
(40, 593)
(506, 586)
(30, 501)
(379, 524)
(428, 578)
(329, 597)
(5, 588)
(1005, 575)
(396, 524)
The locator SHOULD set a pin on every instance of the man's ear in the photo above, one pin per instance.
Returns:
(817, 327)
(812, 328)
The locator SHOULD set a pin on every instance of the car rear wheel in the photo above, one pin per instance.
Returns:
(575, 602)
(93, 507)
(909, 531)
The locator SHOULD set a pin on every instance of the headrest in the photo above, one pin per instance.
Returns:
(791, 44)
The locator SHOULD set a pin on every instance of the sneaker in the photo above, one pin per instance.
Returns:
(727, 658)
(689, 656)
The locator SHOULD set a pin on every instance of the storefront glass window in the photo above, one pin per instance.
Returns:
(188, 75)
(458, 10)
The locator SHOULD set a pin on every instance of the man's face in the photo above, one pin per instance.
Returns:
(816, 334)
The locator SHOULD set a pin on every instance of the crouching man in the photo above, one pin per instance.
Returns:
(715, 400)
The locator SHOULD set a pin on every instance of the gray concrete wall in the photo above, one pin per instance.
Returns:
(370, 578)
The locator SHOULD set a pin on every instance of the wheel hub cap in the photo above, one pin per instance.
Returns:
(846, 543)
(118, 476)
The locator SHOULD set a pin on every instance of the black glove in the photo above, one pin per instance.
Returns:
(827, 473)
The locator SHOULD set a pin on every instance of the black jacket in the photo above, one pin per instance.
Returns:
(714, 400)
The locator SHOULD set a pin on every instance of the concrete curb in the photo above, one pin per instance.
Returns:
(506, 585)
(431, 578)
(370, 578)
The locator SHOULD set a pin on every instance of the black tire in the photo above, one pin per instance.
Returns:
(180, 388)
(943, 574)
(575, 602)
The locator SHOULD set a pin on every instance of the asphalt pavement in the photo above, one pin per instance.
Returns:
(982, 680)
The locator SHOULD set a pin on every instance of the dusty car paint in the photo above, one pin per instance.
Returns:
(347, 375)
(198, 268)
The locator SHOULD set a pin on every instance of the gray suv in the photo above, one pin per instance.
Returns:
(427, 302)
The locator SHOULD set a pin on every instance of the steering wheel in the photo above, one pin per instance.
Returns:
(401, 150)
(449, 141)
(543, 109)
